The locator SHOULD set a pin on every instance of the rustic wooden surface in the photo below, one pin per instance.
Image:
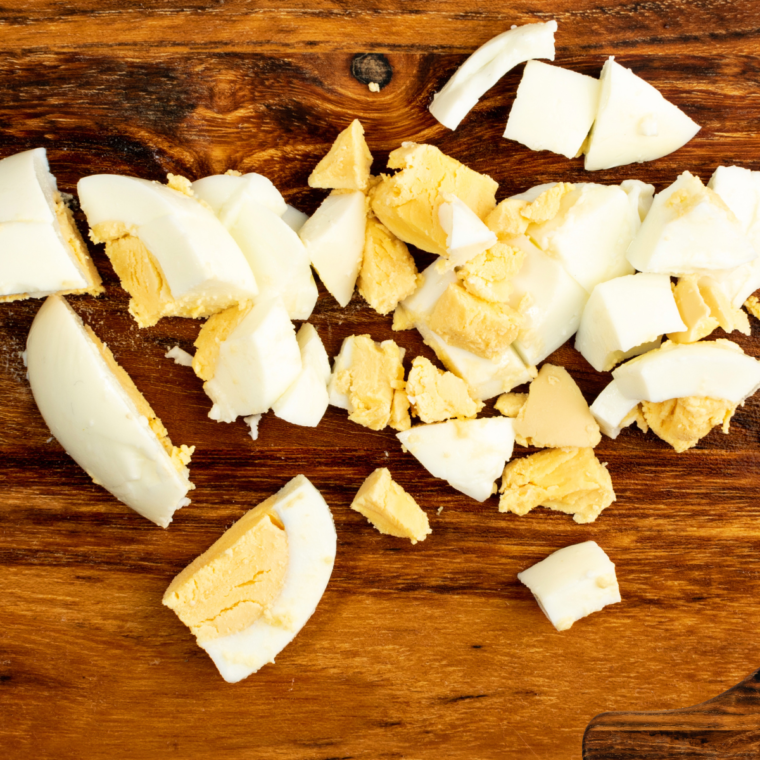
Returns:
(427, 651)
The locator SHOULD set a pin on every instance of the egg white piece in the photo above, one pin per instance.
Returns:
(610, 408)
(489, 63)
(689, 230)
(275, 254)
(334, 240)
(306, 399)
(95, 420)
(554, 109)
(591, 233)
(572, 583)
(634, 122)
(712, 369)
(294, 218)
(550, 301)
(257, 363)
(625, 317)
(220, 190)
(468, 454)
(312, 544)
(197, 255)
(433, 283)
(466, 234)
(36, 260)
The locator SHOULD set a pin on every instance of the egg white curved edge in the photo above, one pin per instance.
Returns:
(218, 190)
(610, 409)
(468, 454)
(487, 65)
(35, 260)
(719, 371)
(93, 418)
(312, 544)
(27, 188)
(276, 256)
(198, 257)
(131, 200)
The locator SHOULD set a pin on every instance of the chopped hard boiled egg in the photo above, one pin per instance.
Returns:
(41, 250)
(468, 454)
(390, 508)
(572, 583)
(228, 191)
(466, 235)
(171, 254)
(570, 480)
(436, 396)
(94, 410)
(625, 317)
(554, 109)
(555, 414)
(250, 593)
(306, 399)
(408, 202)
(248, 357)
(713, 369)
(611, 409)
(346, 166)
(689, 230)
(634, 122)
(488, 64)
(334, 240)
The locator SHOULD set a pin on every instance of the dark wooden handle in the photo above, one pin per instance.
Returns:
(727, 726)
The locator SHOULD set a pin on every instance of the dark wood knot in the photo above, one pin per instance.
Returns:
(372, 67)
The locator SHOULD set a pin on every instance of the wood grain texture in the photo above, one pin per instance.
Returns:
(426, 651)
(724, 727)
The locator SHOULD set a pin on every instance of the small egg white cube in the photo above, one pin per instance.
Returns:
(257, 363)
(466, 234)
(334, 240)
(550, 301)
(572, 583)
(434, 281)
(468, 454)
(591, 233)
(610, 409)
(554, 109)
(624, 317)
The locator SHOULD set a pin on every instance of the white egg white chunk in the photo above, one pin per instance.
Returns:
(93, 417)
(27, 188)
(486, 377)
(712, 369)
(640, 196)
(740, 189)
(591, 233)
(610, 408)
(313, 351)
(257, 363)
(624, 317)
(334, 240)
(689, 230)
(342, 363)
(634, 122)
(196, 254)
(489, 63)
(550, 301)
(468, 454)
(312, 544)
(180, 356)
(572, 583)
(220, 190)
(466, 234)
(275, 254)
(554, 109)
(294, 218)
(36, 259)
(306, 400)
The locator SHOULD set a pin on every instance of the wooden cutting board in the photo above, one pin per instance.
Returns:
(426, 651)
